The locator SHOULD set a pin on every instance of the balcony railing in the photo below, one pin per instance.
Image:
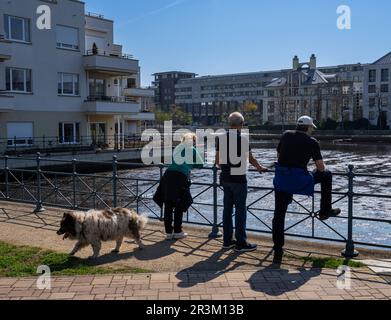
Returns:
(124, 99)
(112, 53)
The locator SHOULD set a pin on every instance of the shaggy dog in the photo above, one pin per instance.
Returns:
(95, 226)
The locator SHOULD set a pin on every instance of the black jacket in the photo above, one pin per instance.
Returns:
(174, 188)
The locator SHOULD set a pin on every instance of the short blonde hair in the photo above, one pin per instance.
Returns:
(189, 137)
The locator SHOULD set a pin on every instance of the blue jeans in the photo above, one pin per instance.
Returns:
(235, 194)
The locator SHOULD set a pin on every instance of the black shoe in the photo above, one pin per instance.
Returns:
(246, 248)
(229, 246)
(324, 215)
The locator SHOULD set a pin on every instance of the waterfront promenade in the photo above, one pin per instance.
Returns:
(191, 269)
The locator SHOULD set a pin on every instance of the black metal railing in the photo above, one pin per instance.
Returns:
(75, 144)
(120, 186)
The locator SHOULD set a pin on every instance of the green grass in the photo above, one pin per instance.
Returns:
(329, 263)
(17, 261)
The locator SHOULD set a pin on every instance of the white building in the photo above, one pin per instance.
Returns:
(377, 93)
(56, 83)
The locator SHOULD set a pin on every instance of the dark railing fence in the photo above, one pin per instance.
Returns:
(134, 189)
(31, 145)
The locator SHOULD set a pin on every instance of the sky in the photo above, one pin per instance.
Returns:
(211, 37)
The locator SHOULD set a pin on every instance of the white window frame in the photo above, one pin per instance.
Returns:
(24, 21)
(67, 46)
(28, 141)
(24, 81)
(74, 133)
(75, 79)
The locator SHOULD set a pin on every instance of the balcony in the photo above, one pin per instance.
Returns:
(142, 116)
(6, 102)
(5, 49)
(139, 92)
(111, 105)
(111, 63)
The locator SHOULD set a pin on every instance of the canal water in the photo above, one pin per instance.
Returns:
(367, 159)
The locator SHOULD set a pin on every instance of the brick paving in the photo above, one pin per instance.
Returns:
(182, 270)
(264, 284)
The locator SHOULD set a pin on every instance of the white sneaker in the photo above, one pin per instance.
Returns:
(169, 236)
(179, 236)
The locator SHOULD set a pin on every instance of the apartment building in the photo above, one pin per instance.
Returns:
(165, 87)
(70, 82)
(377, 93)
(280, 95)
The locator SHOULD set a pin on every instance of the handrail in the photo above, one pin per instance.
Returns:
(75, 190)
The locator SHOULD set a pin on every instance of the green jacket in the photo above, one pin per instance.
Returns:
(185, 159)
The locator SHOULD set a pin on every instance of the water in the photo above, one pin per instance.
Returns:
(367, 159)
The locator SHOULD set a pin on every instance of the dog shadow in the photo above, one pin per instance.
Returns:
(214, 267)
(275, 281)
(154, 251)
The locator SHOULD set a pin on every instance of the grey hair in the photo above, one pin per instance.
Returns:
(235, 119)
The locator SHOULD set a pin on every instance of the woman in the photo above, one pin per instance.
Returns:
(174, 189)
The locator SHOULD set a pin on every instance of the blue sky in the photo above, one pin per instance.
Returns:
(229, 36)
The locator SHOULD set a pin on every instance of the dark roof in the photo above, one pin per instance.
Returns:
(384, 60)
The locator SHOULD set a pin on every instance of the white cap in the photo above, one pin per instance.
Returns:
(306, 121)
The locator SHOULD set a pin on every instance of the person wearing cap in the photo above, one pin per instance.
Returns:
(295, 151)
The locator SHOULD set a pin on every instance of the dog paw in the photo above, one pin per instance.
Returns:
(114, 251)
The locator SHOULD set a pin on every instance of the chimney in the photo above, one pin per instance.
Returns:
(313, 62)
(296, 63)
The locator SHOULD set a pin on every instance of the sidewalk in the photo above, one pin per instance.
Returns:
(266, 284)
(195, 268)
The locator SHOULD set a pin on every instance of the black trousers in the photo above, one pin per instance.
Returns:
(282, 201)
(172, 213)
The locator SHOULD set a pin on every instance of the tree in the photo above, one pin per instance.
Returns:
(250, 108)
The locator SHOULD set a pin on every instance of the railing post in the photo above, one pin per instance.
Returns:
(161, 176)
(6, 168)
(39, 208)
(349, 252)
(115, 177)
(74, 176)
(215, 229)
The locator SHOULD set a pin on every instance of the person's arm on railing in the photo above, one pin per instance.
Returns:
(256, 164)
(198, 161)
(320, 166)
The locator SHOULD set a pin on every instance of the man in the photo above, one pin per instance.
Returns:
(233, 150)
(295, 151)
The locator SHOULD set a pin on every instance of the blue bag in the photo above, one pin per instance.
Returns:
(294, 181)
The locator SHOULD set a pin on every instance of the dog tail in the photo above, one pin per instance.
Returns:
(142, 222)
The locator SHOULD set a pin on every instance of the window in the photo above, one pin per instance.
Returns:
(19, 134)
(372, 102)
(69, 132)
(372, 89)
(384, 88)
(384, 75)
(372, 75)
(68, 84)
(131, 83)
(18, 80)
(17, 29)
(67, 38)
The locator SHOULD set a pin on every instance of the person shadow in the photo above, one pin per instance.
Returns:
(275, 280)
(213, 267)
